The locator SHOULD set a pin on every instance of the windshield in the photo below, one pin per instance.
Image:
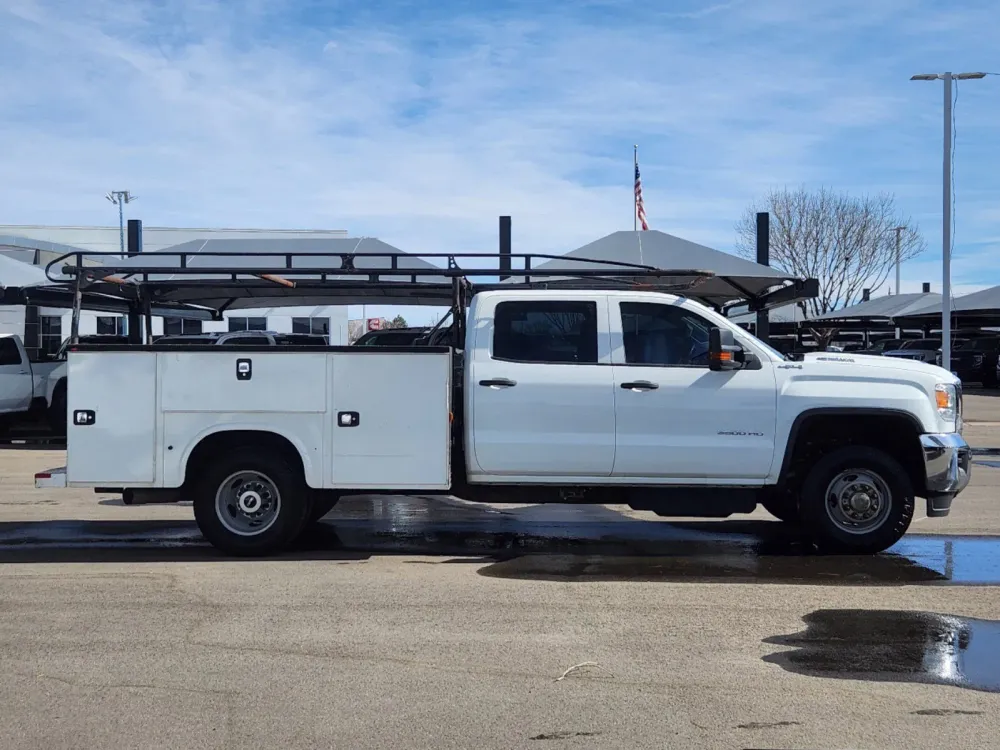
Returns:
(887, 344)
(980, 344)
(922, 344)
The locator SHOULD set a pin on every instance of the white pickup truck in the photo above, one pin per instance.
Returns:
(22, 382)
(568, 396)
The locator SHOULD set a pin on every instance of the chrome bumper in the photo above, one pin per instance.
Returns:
(947, 463)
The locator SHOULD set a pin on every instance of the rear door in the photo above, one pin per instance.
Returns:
(543, 396)
(15, 377)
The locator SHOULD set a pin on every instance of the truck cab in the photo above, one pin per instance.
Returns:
(620, 390)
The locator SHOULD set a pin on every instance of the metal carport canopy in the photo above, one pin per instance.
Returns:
(734, 278)
(982, 307)
(881, 309)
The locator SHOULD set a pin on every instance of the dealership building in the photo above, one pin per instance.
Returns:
(43, 329)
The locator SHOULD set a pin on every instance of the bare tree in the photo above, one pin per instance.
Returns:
(847, 243)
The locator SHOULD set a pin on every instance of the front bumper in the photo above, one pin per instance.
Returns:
(948, 468)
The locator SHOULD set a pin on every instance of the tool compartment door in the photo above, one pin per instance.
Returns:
(390, 420)
(111, 425)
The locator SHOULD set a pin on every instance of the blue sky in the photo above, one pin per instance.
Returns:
(420, 123)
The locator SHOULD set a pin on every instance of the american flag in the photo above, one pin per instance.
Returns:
(640, 210)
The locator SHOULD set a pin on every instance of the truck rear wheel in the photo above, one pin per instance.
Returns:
(251, 502)
(857, 499)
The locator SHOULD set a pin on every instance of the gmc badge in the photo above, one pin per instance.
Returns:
(244, 369)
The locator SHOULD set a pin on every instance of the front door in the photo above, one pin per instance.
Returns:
(542, 393)
(676, 419)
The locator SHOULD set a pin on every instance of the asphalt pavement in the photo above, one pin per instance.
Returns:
(435, 623)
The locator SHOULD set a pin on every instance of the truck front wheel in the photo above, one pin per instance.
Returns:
(857, 499)
(251, 502)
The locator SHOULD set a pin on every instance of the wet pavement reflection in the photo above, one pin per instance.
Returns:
(891, 646)
(543, 542)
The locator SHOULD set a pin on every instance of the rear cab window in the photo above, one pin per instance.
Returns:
(546, 331)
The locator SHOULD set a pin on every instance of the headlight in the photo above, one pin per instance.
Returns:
(946, 396)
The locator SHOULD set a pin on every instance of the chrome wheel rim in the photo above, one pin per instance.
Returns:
(858, 501)
(247, 503)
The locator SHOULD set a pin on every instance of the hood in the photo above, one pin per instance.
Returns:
(850, 359)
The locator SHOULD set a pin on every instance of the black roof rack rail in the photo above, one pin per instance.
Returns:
(308, 268)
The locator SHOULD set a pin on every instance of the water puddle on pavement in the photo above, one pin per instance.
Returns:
(541, 542)
(893, 646)
(914, 560)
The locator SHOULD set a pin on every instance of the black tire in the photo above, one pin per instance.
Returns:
(784, 506)
(321, 505)
(270, 481)
(872, 469)
(57, 409)
(989, 377)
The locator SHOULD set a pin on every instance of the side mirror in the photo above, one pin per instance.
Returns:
(722, 350)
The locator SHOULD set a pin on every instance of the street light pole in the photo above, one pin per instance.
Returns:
(946, 208)
(120, 198)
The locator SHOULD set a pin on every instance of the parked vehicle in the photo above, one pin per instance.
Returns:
(244, 338)
(583, 395)
(22, 382)
(921, 350)
(392, 337)
(975, 360)
(881, 347)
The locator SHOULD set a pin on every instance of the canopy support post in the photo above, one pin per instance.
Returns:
(147, 314)
(74, 335)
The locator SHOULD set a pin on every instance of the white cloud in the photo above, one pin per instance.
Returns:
(421, 129)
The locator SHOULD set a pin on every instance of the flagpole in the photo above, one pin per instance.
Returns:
(635, 198)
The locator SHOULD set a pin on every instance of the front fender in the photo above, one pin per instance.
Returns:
(805, 396)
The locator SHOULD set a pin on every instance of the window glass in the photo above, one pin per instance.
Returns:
(181, 326)
(553, 332)
(311, 325)
(51, 335)
(247, 324)
(112, 325)
(249, 341)
(664, 335)
(9, 355)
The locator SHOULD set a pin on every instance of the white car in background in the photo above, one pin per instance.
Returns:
(23, 383)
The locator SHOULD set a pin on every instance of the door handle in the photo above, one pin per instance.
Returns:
(498, 383)
(640, 385)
